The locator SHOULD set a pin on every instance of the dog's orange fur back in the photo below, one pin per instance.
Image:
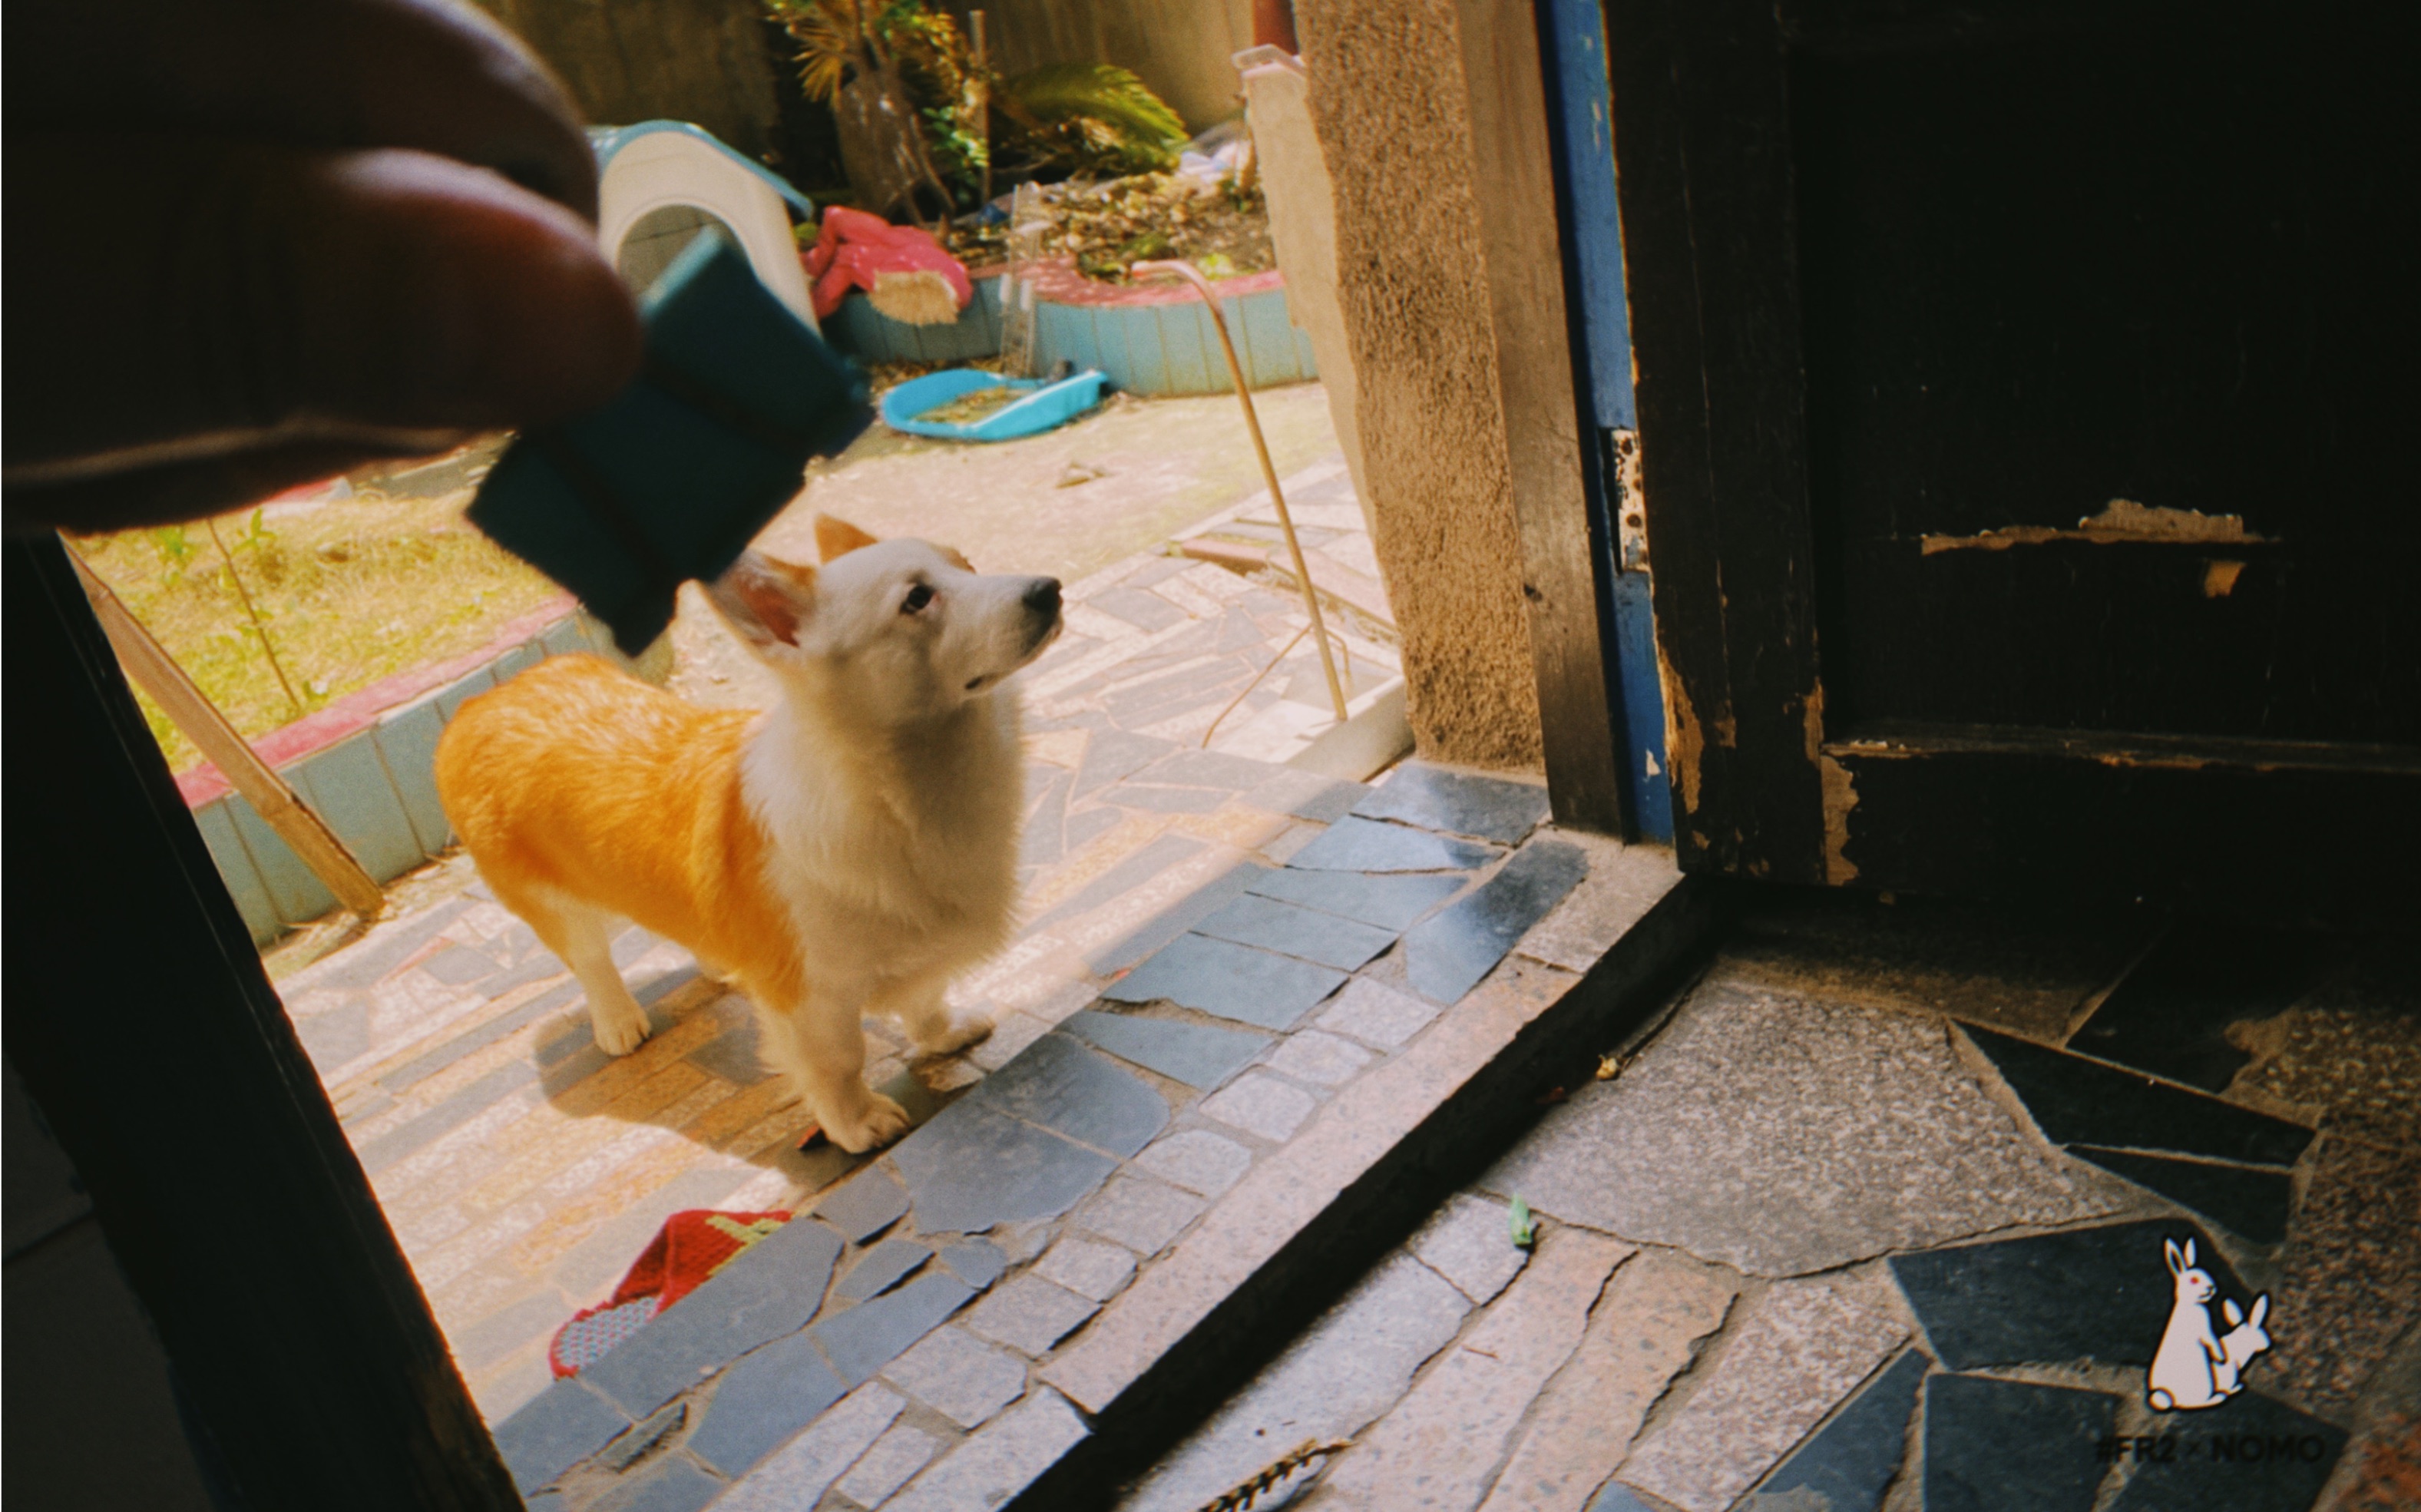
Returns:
(574, 779)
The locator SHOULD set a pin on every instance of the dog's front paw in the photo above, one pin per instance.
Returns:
(880, 1122)
(956, 1035)
(619, 1037)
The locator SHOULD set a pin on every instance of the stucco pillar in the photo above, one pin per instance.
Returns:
(1389, 102)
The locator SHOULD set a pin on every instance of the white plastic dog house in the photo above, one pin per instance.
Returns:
(661, 180)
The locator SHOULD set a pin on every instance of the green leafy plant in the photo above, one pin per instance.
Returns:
(174, 549)
(884, 67)
(1094, 118)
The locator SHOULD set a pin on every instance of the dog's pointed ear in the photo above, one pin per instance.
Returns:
(764, 599)
(956, 558)
(836, 539)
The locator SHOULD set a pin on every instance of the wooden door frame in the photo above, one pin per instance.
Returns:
(144, 1027)
(1765, 786)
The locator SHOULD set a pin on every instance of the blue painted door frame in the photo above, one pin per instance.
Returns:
(1572, 46)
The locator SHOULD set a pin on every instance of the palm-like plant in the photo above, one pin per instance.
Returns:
(913, 103)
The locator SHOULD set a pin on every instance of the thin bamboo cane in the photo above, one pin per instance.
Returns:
(1268, 470)
(156, 673)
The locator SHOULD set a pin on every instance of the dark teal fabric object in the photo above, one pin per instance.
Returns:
(677, 473)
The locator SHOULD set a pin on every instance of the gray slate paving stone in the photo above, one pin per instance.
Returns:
(459, 965)
(2006, 1447)
(1754, 1103)
(1230, 980)
(1306, 795)
(447, 1116)
(1159, 800)
(421, 1067)
(1455, 802)
(973, 1169)
(975, 1261)
(2080, 1101)
(898, 1455)
(1111, 754)
(1162, 853)
(962, 1379)
(1001, 1460)
(2251, 1200)
(1470, 1242)
(1100, 1271)
(1146, 611)
(1175, 920)
(1062, 1086)
(1195, 1054)
(1142, 1215)
(799, 1473)
(667, 1486)
(1211, 768)
(767, 1290)
(1336, 1379)
(2172, 1014)
(1370, 845)
(872, 1334)
(2101, 1294)
(1851, 1462)
(2231, 1456)
(1262, 1106)
(626, 1451)
(1198, 1161)
(767, 1395)
(1377, 1014)
(556, 1430)
(732, 1055)
(1388, 900)
(1309, 1055)
(864, 1205)
(368, 963)
(1447, 954)
(1328, 939)
(880, 1268)
(1029, 1314)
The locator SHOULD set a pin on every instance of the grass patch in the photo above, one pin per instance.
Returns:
(349, 591)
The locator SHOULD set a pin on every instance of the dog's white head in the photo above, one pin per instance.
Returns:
(887, 633)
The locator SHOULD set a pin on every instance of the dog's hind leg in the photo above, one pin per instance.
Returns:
(821, 1048)
(916, 1004)
(581, 937)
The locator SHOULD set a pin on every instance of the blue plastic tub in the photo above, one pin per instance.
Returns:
(1044, 406)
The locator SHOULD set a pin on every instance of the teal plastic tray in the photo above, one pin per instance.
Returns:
(1044, 406)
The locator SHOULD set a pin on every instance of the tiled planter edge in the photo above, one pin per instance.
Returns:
(366, 767)
(1153, 340)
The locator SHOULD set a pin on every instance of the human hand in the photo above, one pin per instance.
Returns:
(254, 243)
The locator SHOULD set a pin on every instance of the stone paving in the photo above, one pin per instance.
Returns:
(523, 1170)
(1862, 1227)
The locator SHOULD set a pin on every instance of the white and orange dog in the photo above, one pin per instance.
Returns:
(848, 852)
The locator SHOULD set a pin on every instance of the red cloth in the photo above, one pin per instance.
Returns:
(689, 1249)
(854, 247)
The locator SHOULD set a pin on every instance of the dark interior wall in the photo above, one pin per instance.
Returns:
(706, 61)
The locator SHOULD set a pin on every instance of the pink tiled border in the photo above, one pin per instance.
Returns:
(360, 708)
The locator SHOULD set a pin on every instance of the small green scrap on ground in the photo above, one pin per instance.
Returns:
(1525, 1228)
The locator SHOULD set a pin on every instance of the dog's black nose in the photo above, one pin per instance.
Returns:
(1042, 596)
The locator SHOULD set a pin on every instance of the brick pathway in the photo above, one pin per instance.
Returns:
(523, 1170)
(1851, 1232)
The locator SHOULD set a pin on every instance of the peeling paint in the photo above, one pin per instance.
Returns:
(2124, 520)
(1840, 796)
(1811, 718)
(2219, 578)
(1685, 739)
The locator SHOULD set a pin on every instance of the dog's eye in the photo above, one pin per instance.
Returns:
(918, 597)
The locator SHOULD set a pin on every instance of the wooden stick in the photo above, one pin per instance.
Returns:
(156, 673)
(1269, 469)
